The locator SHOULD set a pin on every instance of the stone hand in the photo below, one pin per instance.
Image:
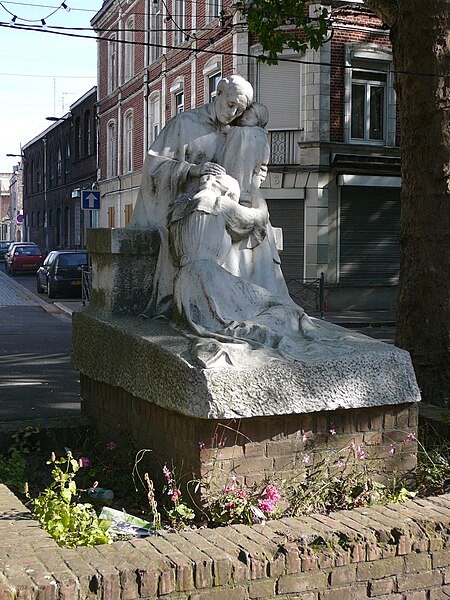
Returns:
(207, 168)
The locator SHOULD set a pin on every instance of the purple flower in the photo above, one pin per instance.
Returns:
(110, 446)
(85, 462)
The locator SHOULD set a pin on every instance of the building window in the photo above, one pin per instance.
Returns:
(67, 157)
(77, 137)
(50, 168)
(213, 82)
(179, 22)
(156, 30)
(37, 174)
(129, 48)
(111, 149)
(128, 213)
(111, 217)
(58, 163)
(154, 117)
(87, 133)
(38, 218)
(284, 108)
(112, 64)
(179, 103)
(368, 105)
(128, 140)
(213, 9)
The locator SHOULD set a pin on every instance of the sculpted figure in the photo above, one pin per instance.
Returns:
(218, 275)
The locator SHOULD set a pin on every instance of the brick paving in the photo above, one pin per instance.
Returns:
(14, 294)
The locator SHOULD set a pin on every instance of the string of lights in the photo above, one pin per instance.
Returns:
(194, 50)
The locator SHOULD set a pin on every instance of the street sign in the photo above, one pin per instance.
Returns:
(19, 219)
(90, 200)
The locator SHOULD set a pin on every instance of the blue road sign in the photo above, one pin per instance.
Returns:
(90, 200)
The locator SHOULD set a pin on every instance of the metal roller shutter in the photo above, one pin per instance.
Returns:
(369, 235)
(289, 215)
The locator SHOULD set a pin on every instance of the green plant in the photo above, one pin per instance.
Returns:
(69, 523)
(179, 514)
(13, 471)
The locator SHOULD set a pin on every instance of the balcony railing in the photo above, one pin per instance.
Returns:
(284, 148)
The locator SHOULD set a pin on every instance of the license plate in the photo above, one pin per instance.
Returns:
(28, 264)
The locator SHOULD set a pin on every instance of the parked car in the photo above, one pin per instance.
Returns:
(4, 245)
(61, 273)
(23, 258)
(12, 245)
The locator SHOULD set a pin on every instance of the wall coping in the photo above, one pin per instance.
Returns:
(398, 548)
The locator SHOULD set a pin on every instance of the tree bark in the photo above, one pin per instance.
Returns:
(421, 47)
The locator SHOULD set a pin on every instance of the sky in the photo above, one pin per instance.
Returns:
(41, 74)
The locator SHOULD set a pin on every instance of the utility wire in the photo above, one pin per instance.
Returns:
(205, 50)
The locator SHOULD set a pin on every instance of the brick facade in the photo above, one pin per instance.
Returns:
(57, 163)
(254, 449)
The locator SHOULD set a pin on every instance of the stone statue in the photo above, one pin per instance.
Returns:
(218, 276)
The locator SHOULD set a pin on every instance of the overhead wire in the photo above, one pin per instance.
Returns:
(54, 30)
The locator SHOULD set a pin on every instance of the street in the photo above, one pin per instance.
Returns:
(38, 382)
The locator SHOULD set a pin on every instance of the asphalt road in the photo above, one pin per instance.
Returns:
(37, 379)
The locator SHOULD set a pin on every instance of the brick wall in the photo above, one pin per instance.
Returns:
(398, 552)
(258, 447)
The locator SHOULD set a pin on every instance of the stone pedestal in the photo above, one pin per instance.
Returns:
(255, 421)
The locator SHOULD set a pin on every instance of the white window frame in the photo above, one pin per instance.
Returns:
(129, 48)
(128, 141)
(179, 22)
(154, 117)
(156, 30)
(212, 69)
(176, 90)
(374, 59)
(213, 9)
(112, 63)
(111, 144)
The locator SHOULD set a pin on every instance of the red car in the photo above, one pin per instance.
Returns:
(23, 259)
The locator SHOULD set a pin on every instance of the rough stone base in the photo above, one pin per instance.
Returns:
(255, 448)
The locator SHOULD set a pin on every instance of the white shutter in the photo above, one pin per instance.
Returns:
(279, 90)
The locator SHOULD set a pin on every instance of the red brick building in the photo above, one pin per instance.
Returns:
(58, 164)
(333, 187)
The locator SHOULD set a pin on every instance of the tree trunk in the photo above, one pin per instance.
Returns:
(421, 46)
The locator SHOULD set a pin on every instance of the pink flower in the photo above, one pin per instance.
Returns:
(339, 464)
(332, 432)
(266, 505)
(304, 438)
(360, 453)
(202, 445)
(167, 474)
(241, 494)
(111, 445)
(230, 488)
(306, 458)
(409, 438)
(85, 462)
(271, 493)
(175, 495)
(392, 449)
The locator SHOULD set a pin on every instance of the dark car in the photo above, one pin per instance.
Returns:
(23, 258)
(4, 245)
(60, 273)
